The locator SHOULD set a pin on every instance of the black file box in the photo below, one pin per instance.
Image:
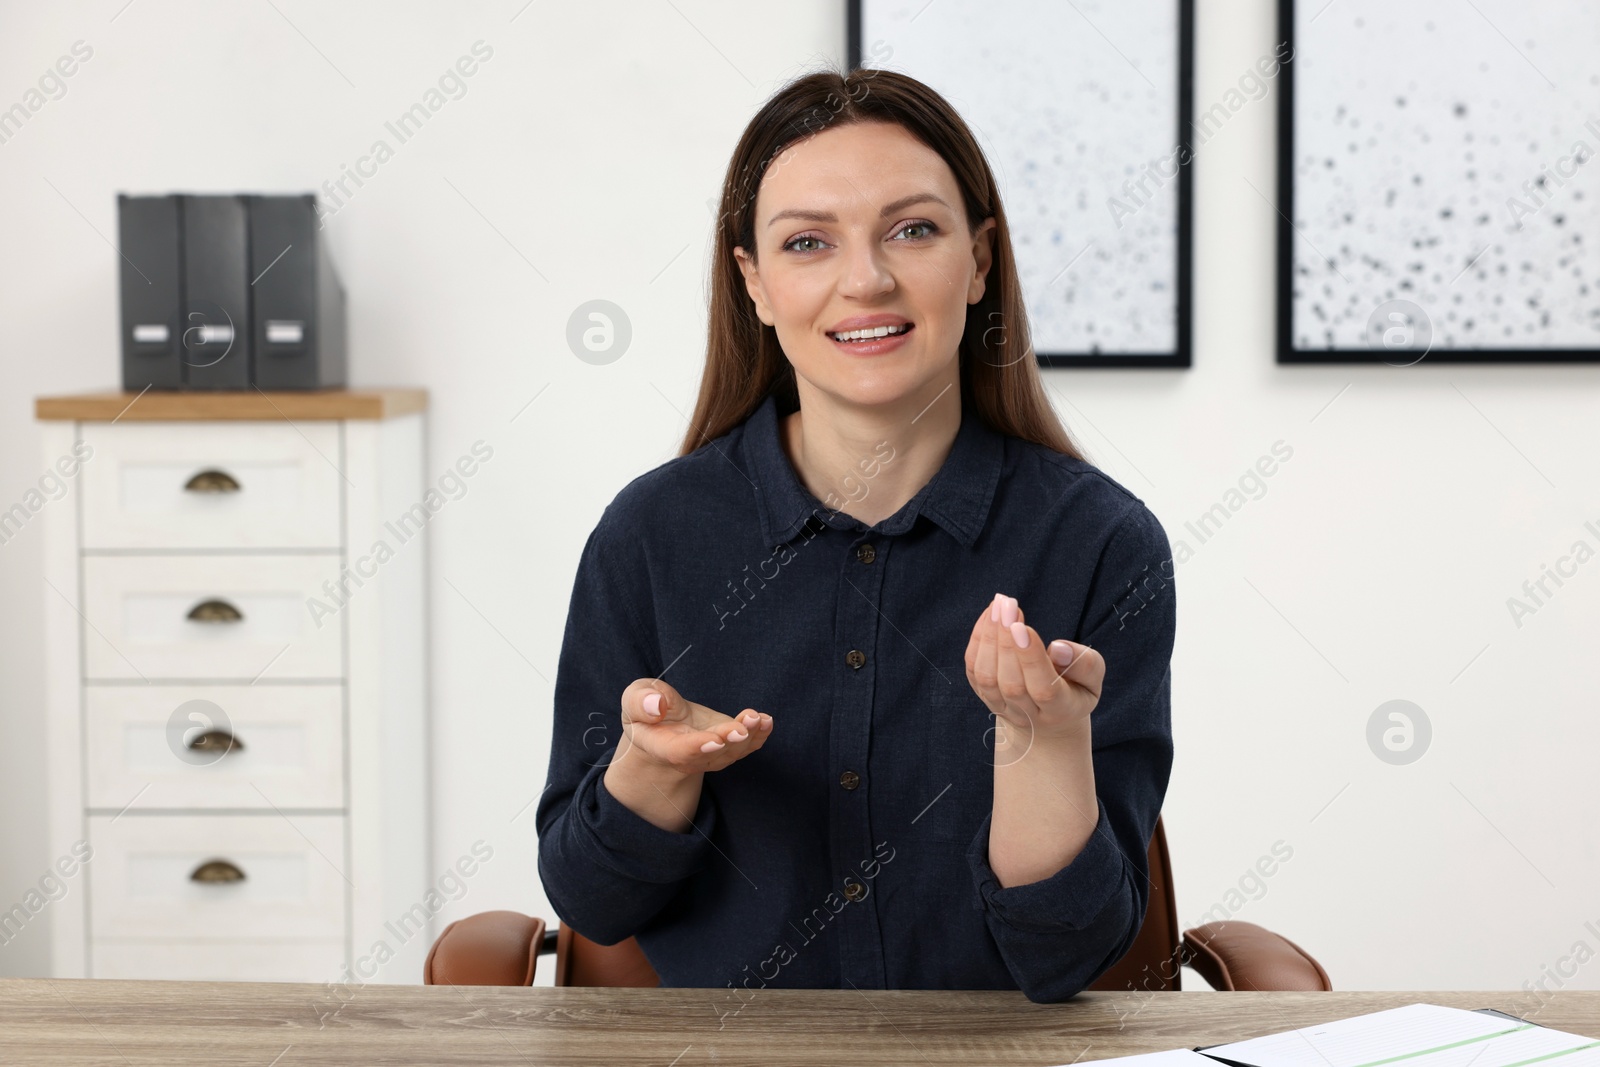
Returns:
(228, 292)
(215, 344)
(151, 291)
(299, 330)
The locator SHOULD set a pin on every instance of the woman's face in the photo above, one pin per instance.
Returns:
(865, 221)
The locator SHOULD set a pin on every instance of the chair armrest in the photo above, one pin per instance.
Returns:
(1237, 955)
(490, 948)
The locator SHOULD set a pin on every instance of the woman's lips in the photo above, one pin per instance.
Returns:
(875, 347)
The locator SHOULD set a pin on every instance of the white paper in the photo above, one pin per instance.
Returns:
(1418, 1035)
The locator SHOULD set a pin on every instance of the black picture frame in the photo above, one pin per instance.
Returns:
(1287, 351)
(1182, 354)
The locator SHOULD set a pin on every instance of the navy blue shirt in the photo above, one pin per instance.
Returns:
(852, 848)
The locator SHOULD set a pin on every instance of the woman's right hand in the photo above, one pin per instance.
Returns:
(676, 733)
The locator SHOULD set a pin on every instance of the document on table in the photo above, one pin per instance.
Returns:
(1417, 1035)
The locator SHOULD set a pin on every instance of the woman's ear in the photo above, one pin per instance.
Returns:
(752, 284)
(982, 258)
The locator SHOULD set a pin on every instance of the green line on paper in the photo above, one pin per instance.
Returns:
(1553, 1055)
(1453, 1044)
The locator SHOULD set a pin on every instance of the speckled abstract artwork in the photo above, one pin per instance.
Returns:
(1442, 153)
(1076, 107)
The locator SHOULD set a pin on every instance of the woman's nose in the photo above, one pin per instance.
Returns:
(865, 270)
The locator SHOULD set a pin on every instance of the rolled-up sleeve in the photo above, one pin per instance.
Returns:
(606, 870)
(1059, 934)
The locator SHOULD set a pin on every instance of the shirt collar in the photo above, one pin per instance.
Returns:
(957, 498)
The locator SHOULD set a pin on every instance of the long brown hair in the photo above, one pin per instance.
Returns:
(744, 362)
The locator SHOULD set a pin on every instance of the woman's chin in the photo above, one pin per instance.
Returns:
(884, 390)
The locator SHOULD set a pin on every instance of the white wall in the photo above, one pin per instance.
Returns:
(578, 166)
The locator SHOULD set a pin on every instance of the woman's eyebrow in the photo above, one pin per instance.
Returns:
(812, 215)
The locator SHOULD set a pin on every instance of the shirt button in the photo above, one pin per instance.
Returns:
(854, 889)
(866, 553)
(855, 657)
(849, 779)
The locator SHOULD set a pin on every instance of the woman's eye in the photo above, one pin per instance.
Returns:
(930, 227)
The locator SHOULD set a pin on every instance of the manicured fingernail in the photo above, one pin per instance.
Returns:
(652, 703)
(737, 735)
(1019, 634)
(994, 608)
(766, 722)
(750, 718)
(1008, 610)
(711, 746)
(1060, 653)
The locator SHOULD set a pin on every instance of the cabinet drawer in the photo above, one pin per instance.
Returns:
(138, 610)
(170, 746)
(142, 884)
(277, 960)
(250, 485)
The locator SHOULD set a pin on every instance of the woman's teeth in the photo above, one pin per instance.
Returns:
(872, 334)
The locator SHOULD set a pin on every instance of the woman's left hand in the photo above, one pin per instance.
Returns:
(1025, 684)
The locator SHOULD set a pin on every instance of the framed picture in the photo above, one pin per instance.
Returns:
(1083, 110)
(1436, 183)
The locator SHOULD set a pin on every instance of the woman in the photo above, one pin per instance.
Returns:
(845, 755)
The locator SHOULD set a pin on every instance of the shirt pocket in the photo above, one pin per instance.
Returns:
(942, 752)
(957, 719)
(945, 685)
(961, 725)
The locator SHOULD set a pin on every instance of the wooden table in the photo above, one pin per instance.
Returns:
(44, 1022)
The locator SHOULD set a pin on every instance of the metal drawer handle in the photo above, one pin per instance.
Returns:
(215, 611)
(216, 871)
(219, 741)
(212, 481)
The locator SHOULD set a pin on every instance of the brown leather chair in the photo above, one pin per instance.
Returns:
(503, 948)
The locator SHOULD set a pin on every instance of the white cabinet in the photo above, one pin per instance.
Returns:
(271, 486)
(229, 617)
(237, 706)
(285, 747)
(274, 877)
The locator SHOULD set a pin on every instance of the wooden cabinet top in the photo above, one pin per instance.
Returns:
(243, 404)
